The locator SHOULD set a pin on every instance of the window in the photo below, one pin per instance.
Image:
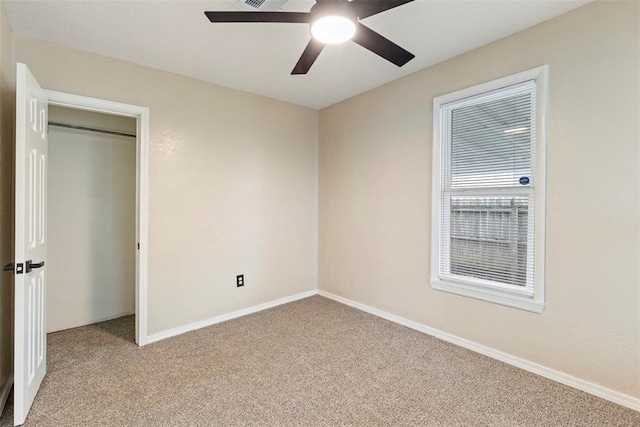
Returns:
(488, 191)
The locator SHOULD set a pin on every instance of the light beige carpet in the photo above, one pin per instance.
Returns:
(311, 362)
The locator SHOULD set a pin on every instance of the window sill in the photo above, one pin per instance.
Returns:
(497, 297)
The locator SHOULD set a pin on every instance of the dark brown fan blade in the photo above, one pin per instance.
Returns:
(308, 57)
(288, 17)
(382, 46)
(365, 8)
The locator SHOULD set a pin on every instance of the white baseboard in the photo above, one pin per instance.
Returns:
(552, 374)
(224, 317)
(4, 393)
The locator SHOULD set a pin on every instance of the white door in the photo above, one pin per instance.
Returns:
(30, 357)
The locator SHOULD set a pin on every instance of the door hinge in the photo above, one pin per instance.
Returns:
(138, 245)
(17, 268)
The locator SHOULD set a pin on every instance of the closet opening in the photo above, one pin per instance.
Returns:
(91, 215)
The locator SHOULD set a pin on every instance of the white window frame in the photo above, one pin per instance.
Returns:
(535, 302)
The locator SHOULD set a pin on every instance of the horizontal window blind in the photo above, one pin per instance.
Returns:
(487, 199)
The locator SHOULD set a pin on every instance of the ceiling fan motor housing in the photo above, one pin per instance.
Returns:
(322, 9)
(332, 22)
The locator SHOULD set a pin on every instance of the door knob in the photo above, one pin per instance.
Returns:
(31, 266)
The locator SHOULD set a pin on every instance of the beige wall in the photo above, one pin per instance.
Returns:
(7, 94)
(375, 198)
(91, 219)
(232, 182)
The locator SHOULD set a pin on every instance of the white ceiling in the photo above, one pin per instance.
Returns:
(176, 36)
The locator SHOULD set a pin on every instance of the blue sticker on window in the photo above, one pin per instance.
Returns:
(524, 180)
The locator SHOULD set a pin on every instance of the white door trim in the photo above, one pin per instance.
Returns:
(63, 99)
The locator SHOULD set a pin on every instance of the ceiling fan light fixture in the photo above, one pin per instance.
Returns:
(330, 22)
(333, 26)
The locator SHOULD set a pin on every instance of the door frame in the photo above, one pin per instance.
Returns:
(141, 114)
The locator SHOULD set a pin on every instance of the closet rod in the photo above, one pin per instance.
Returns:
(110, 132)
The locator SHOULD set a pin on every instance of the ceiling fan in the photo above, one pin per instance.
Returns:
(331, 22)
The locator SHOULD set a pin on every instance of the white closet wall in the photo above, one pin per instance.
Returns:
(91, 219)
